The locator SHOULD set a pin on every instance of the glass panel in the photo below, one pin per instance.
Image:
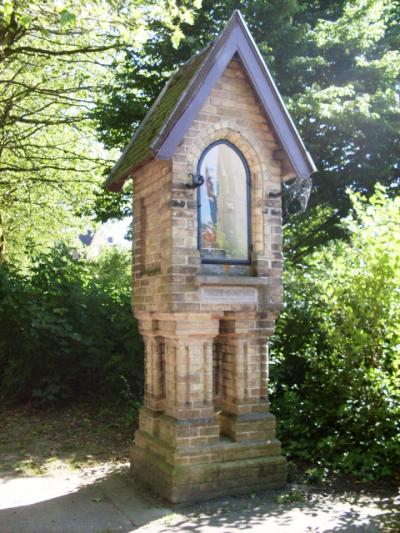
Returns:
(223, 206)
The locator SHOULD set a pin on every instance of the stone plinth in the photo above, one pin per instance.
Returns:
(183, 475)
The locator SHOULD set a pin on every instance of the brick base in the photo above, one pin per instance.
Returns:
(198, 474)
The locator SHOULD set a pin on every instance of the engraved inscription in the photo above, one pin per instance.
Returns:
(221, 295)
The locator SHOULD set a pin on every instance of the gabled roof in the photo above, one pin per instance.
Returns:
(184, 94)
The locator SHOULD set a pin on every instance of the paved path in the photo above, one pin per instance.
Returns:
(101, 503)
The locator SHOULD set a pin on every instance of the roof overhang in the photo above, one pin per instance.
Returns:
(234, 39)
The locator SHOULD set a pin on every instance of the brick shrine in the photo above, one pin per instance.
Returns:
(207, 165)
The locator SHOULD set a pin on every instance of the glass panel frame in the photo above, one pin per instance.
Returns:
(208, 260)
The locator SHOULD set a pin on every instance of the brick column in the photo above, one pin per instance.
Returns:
(189, 419)
(154, 374)
(242, 362)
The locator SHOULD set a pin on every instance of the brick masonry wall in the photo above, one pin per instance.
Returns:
(166, 258)
(167, 268)
(152, 237)
(231, 112)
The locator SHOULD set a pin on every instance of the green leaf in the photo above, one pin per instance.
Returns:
(45, 32)
(67, 18)
(25, 20)
(8, 10)
(187, 16)
(176, 37)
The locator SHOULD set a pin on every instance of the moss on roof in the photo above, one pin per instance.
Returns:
(139, 149)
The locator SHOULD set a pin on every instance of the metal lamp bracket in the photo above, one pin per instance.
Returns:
(197, 181)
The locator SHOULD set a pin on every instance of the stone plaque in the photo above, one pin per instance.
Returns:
(233, 295)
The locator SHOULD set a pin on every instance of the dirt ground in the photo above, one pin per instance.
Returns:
(56, 442)
(67, 471)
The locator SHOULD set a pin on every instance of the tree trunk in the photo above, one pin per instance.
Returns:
(2, 242)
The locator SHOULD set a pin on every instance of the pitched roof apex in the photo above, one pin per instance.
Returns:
(177, 105)
(215, 47)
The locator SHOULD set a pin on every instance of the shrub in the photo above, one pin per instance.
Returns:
(336, 354)
(68, 330)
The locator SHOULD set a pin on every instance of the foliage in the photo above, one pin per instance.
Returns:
(349, 109)
(293, 496)
(307, 231)
(336, 63)
(336, 353)
(55, 57)
(67, 329)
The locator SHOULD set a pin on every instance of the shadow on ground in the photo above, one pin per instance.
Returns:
(116, 503)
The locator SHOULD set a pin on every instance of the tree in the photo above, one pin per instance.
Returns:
(54, 59)
(336, 63)
(349, 111)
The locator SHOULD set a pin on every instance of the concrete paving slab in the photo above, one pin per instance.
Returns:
(21, 491)
(135, 502)
(116, 503)
(81, 512)
(319, 514)
(135, 508)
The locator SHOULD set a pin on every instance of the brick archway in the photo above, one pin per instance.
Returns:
(245, 145)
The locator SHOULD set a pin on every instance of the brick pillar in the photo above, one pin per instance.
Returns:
(242, 363)
(189, 419)
(154, 374)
